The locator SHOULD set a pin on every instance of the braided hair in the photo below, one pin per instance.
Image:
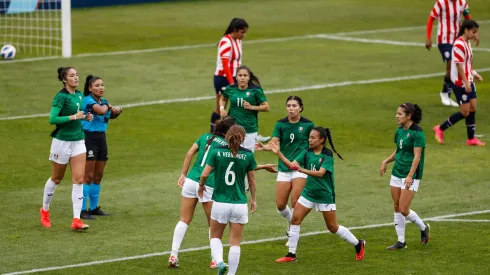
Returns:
(325, 134)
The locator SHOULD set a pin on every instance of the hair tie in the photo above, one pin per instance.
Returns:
(408, 108)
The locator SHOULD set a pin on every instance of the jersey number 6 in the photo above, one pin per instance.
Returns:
(229, 174)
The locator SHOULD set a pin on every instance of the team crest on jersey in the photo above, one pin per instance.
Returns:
(248, 94)
(320, 160)
(56, 156)
(300, 128)
(464, 97)
(80, 97)
(408, 135)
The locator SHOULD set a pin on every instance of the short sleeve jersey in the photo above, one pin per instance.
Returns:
(100, 122)
(202, 155)
(293, 138)
(229, 173)
(245, 118)
(320, 190)
(405, 141)
(69, 104)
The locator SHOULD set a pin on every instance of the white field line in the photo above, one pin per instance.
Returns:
(382, 41)
(458, 220)
(207, 45)
(277, 91)
(243, 243)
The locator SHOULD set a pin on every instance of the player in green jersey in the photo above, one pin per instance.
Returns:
(189, 182)
(230, 164)
(319, 192)
(247, 99)
(407, 171)
(292, 133)
(67, 146)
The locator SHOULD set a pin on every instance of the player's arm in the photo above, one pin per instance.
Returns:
(428, 39)
(99, 109)
(188, 157)
(293, 165)
(205, 174)
(55, 118)
(223, 100)
(116, 111)
(391, 158)
(225, 61)
(269, 167)
(253, 191)
(265, 147)
(417, 154)
(461, 73)
(263, 107)
(319, 174)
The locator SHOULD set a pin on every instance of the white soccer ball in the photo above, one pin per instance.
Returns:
(8, 52)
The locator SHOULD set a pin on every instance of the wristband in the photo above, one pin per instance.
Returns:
(74, 117)
(222, 107)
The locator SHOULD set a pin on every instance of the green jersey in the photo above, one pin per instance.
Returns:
(229, 173)
(319, 190)
(202, 155)
(405, 141)
(69, 104)
(245, 118)
(293, 138)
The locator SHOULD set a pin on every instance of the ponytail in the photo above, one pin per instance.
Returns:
(329, 136)
(235, 137)
(62, 71)
(325, 134)
(89, 80)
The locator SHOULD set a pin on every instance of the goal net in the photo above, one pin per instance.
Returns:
(36, 27)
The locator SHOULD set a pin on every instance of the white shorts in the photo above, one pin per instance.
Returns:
(250, 141)
(229, 212)
(190, 189)
(61, 150)
(400, 183)
(288, 176)
(323, 207)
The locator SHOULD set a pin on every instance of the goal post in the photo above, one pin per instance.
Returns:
(36, 27)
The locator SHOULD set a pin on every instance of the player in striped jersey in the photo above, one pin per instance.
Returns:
(448, 13)
(462, 81)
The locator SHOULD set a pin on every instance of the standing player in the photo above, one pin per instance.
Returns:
(95, 142)
(407, 171)
(292, 133)
(448, 13)
(228, 61)
(247, 99)
(231, 164)
(462, 78)
(67, 146)
(319, 192)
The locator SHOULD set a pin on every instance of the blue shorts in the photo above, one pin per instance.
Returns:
(463, 97)
(446, 51)
(220, 83)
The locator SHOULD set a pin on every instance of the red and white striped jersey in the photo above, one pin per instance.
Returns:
(232, 50)
(462, 54)
(448, 14)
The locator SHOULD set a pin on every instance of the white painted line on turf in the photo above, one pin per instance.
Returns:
(277, 91)
(458, 220)
(198, 46)
(382, 41)
(207, 247)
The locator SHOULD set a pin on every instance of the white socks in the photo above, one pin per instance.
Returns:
(216, 250)
(413, 217)
(293, 238)
(179, 234)
(48, 194)
(399, 226)
(347, 236)
(233, 259)
(286, 213)
(77, 199)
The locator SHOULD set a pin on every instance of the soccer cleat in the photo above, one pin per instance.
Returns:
(290, 257)
(173, 262)
(261, 138)
(222, 268)
(360, 250)
(475, 142)
(397, 245)
(425, 235)
(439, 134)
(86, 215)
(98, 212)
(77, 225)
(447, 101)
(453, 103)
(213, 264)
(45, 220)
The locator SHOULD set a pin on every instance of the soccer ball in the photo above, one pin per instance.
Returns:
(8, 52)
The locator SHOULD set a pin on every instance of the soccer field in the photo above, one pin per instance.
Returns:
(352, 61)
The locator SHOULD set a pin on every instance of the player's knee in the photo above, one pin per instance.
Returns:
(293, 202)
(186, 220)
(405, 211)
(465, 113)
(396, 207)
(78, 180)
(98, 177)
(332, 227)
(281, 205)
(57, 180)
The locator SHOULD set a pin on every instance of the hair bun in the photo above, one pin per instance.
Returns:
(89, 77)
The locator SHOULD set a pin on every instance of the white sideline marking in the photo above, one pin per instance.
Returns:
(382, 41)
(197, 46)
(277, 91)
(243, 243)
(458, 220)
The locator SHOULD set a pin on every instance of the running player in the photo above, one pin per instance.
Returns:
(292, 133)
(189, 183)
(407, 171)
(95, 142)
(319, 192)
(67, 146)
(448, 13)
(228, 61)
(247, 99)
(462, 80)
(230, 164)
